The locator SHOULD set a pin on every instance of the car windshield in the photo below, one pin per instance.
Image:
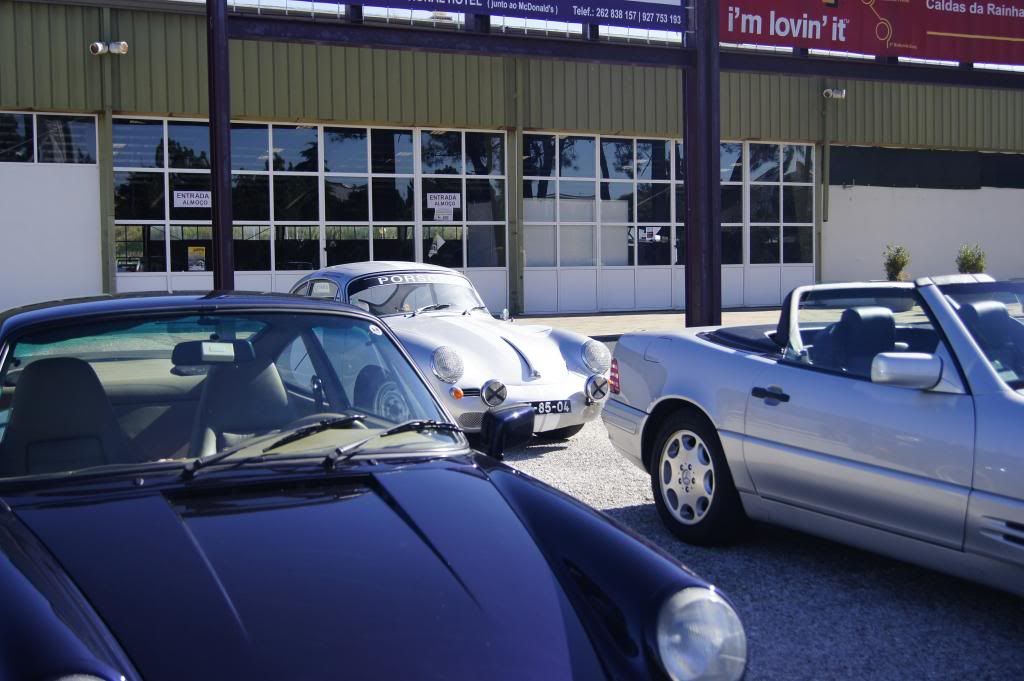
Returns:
(175, 387)
(387, 294)
(993, 315)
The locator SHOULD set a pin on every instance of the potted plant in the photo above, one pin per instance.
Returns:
(970, 259)
(896, 260)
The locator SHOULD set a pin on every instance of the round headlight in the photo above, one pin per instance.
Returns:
(446, 364)
(596, 357)
(700, 637)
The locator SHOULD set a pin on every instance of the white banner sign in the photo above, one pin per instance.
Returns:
(199, 199)
(442, 201)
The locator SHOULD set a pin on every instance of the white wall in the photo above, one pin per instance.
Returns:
(932, 223)
(49, 232)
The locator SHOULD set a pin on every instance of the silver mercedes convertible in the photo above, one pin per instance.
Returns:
(888, 416)
(474, 361)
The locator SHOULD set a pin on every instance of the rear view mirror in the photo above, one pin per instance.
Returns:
(198, 353)
(907, 370)
(506, 428)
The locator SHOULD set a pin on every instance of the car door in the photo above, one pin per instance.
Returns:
(888, 457)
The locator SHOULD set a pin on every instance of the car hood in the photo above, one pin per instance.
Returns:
(426, 573)
(498, 349)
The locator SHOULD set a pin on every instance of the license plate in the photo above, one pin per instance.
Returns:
(552, 407)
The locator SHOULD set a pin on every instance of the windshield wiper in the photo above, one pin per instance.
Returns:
(474, 309)
(346, 452)
(431, 308)
(193, 466)
(323, 425)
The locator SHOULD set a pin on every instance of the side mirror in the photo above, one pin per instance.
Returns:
(907, 370)
(506, 428)
(505, 316)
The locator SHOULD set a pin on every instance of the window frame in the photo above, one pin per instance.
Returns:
(34, 115)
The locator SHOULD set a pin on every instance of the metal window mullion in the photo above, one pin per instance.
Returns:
(167, 205)
(322, 191)
(272, 211)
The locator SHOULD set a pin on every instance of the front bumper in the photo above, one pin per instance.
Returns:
(470, 410)
(625, 427)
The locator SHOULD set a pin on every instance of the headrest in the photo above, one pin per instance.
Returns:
(60, 397)
(245, 397)
(987, 320)
(196, 353)
(867, 330)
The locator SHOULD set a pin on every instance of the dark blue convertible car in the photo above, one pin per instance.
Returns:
(240, 486)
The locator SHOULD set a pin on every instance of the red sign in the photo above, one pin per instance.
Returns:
(957, 30)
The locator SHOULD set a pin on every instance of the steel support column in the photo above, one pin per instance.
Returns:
(702, 137)
(218, 72)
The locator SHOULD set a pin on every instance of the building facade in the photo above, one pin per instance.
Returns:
(556, 185)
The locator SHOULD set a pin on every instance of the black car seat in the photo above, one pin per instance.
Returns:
(61, 420)
(239, 401)
(851, 344)
(1000, 336)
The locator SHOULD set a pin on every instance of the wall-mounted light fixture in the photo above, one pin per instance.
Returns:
(834, 93)
(114, 47)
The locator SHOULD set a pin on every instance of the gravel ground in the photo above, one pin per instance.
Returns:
(812, 609)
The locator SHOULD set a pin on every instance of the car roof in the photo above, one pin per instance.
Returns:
(129, 303)
(343, 274)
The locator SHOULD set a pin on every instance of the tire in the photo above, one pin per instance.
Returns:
(707, 511)
(560, 433)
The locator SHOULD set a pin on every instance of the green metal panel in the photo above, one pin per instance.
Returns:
(44, 57)
(770, 107)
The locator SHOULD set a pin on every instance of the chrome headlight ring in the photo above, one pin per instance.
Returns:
(700, 637)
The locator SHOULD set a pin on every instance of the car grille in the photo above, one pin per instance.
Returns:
(471, 421)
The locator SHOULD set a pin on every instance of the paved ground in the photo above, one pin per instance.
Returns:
(616, 324)
(812, 609)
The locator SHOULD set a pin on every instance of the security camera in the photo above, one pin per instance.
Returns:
(118, 47)
(834, 93)
(96, 49)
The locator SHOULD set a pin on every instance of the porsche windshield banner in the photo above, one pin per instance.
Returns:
(955, 30)
(666, 15)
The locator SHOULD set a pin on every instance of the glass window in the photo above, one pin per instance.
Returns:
(797, 163)
(653, 245)
(764, 163)
(295, 149)
(732, 245)
(654, 160)
(732, 203)
(797, 244)
(296, 197)
(485, 200)
(992, 313)
(538, 200)
(191, 248)
(576, 201)
(66, 139)
(297, 247)
(764, 245)
(188, 145)
(250, 147)
(485, 246)
(392, 199)
(187, 191)
(441, 152)
(445, 192)
(442, 245)
(250, 197)
(576, 156)
(16, 136)
(140, 248)
(577, 246)
(394, 243)
(321, 288)
(139, 196)
(680, 161)
(764, 203)
(252, 248)
(391, 152)
(617, 243)
(731, 161)
(617, 159)
(347, 244)
(680, 245)
(347, 198)
(798, 203)
(345, 150)
(616, 202)
(539, 243)
(680, 203)
(485, 153)
(538, 155)
(653, 202)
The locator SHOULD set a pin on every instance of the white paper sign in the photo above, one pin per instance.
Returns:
(444, 214)
(449, 201)
(197, 199)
